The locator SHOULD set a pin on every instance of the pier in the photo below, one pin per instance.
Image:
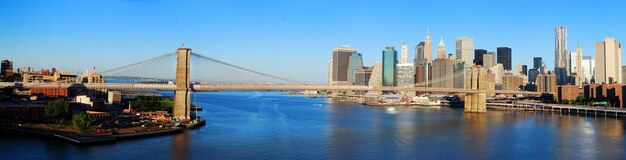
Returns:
(563, 109)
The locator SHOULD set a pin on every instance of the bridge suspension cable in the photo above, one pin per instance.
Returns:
(246, 69)
(138, 63)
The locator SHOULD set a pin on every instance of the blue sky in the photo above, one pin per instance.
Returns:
(288, 38)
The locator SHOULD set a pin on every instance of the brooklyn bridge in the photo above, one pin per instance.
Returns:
(475, 92)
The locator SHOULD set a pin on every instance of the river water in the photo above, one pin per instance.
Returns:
(273, 125)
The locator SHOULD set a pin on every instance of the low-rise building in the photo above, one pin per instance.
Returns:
(567, 92)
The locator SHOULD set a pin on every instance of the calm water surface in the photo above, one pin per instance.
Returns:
(271, 125)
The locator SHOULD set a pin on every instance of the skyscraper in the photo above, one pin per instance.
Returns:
(561, 58)
(389, 66)
(355, 63)
(405, 75)
(478, 56)
(341, 62)
(580, 72)
(441, 49)
(428, 48)
(404, 56)
(608, 61)
(522, 69)
(588, 66)
(465, 50)
(419, 55)
(443, 69)
(504, 57)
(489, 59)
(537, 62)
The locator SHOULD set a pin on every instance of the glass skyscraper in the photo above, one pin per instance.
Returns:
(355, 63)
(389, 66)
(504, 57)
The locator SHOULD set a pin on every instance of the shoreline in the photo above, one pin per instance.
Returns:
(84, 139)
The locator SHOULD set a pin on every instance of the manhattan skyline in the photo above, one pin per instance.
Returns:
(299, 34)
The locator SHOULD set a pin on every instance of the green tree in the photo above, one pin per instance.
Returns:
(81, 121)
(57, 111)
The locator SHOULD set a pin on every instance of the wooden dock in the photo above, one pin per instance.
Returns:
(563, 109)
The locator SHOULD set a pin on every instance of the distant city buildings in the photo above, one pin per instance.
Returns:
(428, 48)
(608, 63)
(404, 54)
(355, 63)
(363, 76)
(504, 57)
(389, 66)
(340, 65)
(588, 66)
(478, 56)
(441, 49)
(489, 59)
(537, 62)
(579, 72)
(442, 73)
(465, 50)
(546, 83)
(561, 56)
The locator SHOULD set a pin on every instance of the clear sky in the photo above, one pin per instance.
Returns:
(289, 38)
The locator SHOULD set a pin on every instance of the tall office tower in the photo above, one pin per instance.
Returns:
(428, 48)
(355, 63)
(580, 72)
(389, 66)
(423, 73)
(561, 62)
(537, 62)
(341, 64)
(532, 75)
(608, 61)
(588, 66)
(504, 57)
(459, 72)
(498, 71)
(404, 56)
(419, 54)
(330, 72)
(441, 49)
(465, 50)
(362, 76)
(522, 69)
(443, 73)
(478, 56)
(489, 59)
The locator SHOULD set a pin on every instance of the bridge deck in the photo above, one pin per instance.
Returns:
(222, 87)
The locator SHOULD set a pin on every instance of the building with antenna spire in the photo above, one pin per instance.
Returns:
(441, 49)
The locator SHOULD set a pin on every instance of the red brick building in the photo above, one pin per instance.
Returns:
(567, 92)
(50, 92)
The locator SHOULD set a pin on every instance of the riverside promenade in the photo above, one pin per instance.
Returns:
(561, 108)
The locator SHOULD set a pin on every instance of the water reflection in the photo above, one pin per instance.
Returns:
(245, 125)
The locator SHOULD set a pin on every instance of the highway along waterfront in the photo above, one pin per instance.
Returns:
(275, 125)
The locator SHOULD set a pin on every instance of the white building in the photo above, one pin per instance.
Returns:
(588, 66)
(608, 56)
(404, 54)
(465, 50)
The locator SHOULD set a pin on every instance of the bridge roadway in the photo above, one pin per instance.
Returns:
(226, 87)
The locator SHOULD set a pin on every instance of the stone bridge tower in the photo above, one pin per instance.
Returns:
(476, 79)
(182, 99)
